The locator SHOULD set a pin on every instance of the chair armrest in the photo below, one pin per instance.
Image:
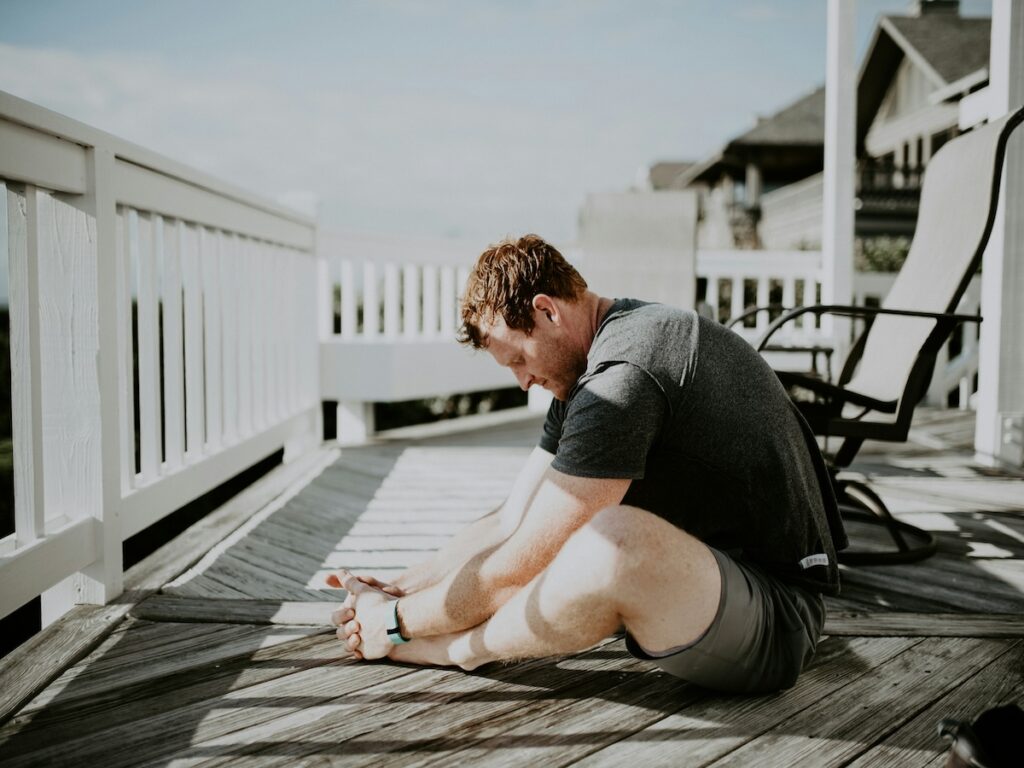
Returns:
(845, 310)
(755, 311)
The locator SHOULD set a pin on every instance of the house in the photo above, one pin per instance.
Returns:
(763, 189)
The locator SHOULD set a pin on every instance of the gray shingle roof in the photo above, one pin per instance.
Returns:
(954, 46)
(802, 122)
(665, 173)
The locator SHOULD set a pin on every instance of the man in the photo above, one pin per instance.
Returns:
(675, 492)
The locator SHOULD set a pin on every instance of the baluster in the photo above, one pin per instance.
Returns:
(392, 301)
(711, 297)
(125, 341)
(229, 346)
(26, 363)
(174, 416)
(145, 256)
(410, 301)
(449, 302)
(737, 298)
(243, 278)
(430, 316)
(371, 300)
(763, 294)
(209, 251)
(195, 406)
(349, 317)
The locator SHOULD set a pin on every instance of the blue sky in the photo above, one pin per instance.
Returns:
(439, 118)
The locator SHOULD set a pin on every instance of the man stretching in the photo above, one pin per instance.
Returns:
(675, 492)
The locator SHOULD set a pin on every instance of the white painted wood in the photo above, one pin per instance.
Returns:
(102, 581)
(449, 308)
(227, 279)
(195, 406)
(405, 370)
(974, 109)
(209, 256)
(430, 307)
(259, 347)
(31, 570)
(173, 346)
(355, 422)
(141, 188)
(143, 253)
(392, 301)
(46, 121)
(40, 159)
(763, 287)
(840, 122)
(999, 435)
(411, 291)
(349, 300)
(789, 292)
(148, 505)
(711, 297)
(245, 337)
(125, 354)
(371, 301)
(72, 448)
(26, 374)
(737, 303)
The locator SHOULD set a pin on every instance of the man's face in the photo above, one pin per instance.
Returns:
(545, 356)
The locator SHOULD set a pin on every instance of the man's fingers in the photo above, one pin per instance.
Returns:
(353, 642)
(341, 615)
(345, 580)
(352, 628)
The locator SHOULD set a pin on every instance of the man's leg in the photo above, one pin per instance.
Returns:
(626, 566)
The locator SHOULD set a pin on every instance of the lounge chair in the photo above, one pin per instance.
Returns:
(889, 366)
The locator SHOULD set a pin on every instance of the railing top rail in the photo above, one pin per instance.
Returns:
(25, 113)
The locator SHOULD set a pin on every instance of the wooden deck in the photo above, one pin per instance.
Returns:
(226, 658)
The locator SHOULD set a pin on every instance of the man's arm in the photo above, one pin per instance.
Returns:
(483, 534)
(471, 594)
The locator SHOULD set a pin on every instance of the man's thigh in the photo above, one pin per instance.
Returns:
(764, 633)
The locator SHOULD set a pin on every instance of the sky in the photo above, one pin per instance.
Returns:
(424, 118)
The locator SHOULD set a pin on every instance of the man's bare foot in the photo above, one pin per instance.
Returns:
(439, 651)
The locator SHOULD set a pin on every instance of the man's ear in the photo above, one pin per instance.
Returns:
(546, 305)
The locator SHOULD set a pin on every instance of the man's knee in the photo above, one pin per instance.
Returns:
(621, 536)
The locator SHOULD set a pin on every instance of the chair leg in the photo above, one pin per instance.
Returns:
(859, 502)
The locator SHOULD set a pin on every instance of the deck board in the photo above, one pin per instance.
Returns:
(232, 661)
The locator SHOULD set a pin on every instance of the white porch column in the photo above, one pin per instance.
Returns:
(999, 435)
(840, 152)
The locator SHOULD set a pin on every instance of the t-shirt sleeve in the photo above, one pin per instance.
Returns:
(610, 424)
(552, 432)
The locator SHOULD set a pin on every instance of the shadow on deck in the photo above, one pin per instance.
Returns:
(231, 660)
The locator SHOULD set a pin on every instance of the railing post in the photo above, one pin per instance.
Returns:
(93, 488)
(999, 434)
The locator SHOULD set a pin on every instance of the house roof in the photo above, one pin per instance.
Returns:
(663, 175)
(799, 126)
(946, 47)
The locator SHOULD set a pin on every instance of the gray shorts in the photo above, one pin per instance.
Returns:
(763, 635)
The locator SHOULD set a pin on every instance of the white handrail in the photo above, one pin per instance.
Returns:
(141, 275)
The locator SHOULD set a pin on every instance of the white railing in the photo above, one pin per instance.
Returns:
(164, 337)
(738, 280)
(394, 339)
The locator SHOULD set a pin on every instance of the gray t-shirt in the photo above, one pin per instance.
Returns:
(689, 412)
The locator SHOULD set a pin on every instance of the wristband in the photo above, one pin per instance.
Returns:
(393, 629)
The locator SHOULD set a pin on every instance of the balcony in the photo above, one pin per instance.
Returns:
(170, 331)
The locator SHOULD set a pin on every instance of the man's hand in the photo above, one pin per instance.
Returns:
(362, 619)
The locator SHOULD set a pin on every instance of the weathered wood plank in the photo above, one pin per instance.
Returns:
(362, 727)
(715, 727)
(285, 612)
(841, 728)
(917, 744)
(33, 665)
(924, 624)
(73, 712)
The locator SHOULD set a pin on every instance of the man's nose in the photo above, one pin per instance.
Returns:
(525, 380)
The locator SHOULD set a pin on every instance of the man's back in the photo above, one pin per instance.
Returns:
(694, 417)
